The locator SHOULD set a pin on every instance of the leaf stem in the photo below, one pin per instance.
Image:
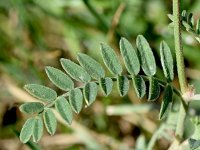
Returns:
(180, 66)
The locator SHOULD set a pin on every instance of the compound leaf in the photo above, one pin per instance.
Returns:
(64, 109)
(32, 107)
(139, 86)
(38, 129)
(50, 121)
(110, 59)
(90, 92)
(76, 99)
(75, 71)
(59, 78)
(167, 98)
(130, 56)
(27, 130)
(41, 92)
(167, 61)
(154, 89)
(106, 85)
(93, 68)
(146, 56)
(123, 85)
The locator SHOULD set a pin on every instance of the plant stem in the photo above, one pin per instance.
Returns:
(180, 65)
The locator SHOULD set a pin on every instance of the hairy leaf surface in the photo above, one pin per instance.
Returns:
(32, 107)
(146, 56)
(64, 109)
(90, 92)
(38, 129)
(167, 61)
(110, 59)
(94, 69)
(139, 86)
(50, 121)
(76, 99)
(123, 85)
(106, 85)
(154, 89)
(75, 71)
(41, 92)
(59, 78)
(27, 130)
(130, 56)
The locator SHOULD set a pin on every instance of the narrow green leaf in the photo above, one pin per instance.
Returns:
(59, 78)
(123, 85)
(130, 56)
(110, 59)
(198, 27)
(190, 19)
(170, 16)
(50, 121)
(94, 69)
(41, 92)
(184, 15)
(167, 98)
(139, 86)
(75, 71)
(76, 99)
(167, 61)
(64, 109)
(32, 107)
(38, 129)
(146, 56)
(154, 89)
(106, 85)
(27, 130)
(90, 92)
(186, 25)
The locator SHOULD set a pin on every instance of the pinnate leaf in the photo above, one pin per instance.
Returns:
(50, 121)
(76, 99)
(110, 59)
(167, 98)
(75, 71)
(27, 130)
(93, 68)
(41, 92)
(38, 129)
(59, 78)
(106, 85)
(167, 61)
(123, 85)
(139, 86)
(146, 56)
(154, 89)
(130, 56)
(64, 109)
(32, 107)
(90, 92)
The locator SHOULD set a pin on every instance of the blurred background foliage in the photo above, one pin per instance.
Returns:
(37, 33)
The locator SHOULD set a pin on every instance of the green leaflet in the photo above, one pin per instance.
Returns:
(154, 89)
(110, 59)
(106, 85)
(167, 61)
(190, 19)
(139, 86)
(90, 92)
(75, 71)
(32, 107)
(76, 100)
(146, 56)
(194, 144)
(93, 68)
(198, 26)
(41, 92)
(64, 109)
(123, 85)
(167, 98)
(50, 121)
(130, 57)
(27, 130)
(59, 78)
(38, 129)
